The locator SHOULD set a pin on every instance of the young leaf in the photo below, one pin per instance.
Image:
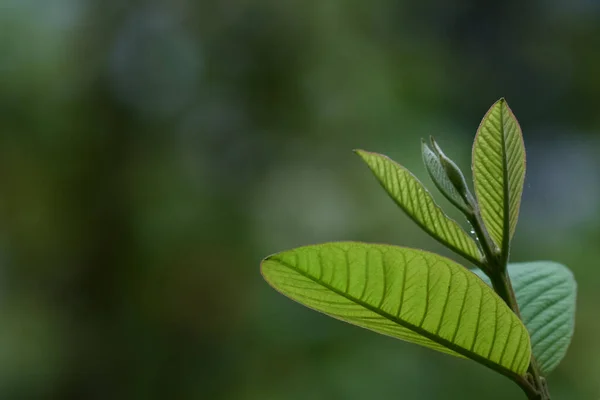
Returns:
(499, 172)
(546, 293)
(440, 178)
(408, 294)
(408, 193)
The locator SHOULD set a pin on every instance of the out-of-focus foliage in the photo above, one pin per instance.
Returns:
(152, 152)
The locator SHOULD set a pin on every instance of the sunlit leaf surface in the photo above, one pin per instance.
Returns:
(405, 293)
(412, 197)
(499, 172)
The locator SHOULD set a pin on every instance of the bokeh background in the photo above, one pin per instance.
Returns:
(152, 152)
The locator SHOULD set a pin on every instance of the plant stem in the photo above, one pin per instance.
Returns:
(496, 268)
(503, 287)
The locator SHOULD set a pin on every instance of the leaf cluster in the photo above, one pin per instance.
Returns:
(517, 319)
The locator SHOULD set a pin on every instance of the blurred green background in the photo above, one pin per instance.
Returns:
(152, 152)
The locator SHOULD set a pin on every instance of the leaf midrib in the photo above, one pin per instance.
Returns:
(460, 350)
(505, 188)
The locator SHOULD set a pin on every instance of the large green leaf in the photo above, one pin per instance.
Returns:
(499, 172)
(412, 197)
(546, 293)
(405, 293)
(440, 178)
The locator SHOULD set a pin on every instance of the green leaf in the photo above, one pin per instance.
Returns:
(499, 172)
(412, 197)
(546, 293)
(405, 293)
(440, 178)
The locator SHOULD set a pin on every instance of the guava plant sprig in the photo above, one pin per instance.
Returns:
(516, 319)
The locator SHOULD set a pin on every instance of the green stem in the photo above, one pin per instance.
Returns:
(503, 287)
(496, 268)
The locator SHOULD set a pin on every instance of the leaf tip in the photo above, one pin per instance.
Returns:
(498, 104)
(436, 147)
(424, 145)
(362, 153)
(263, 262)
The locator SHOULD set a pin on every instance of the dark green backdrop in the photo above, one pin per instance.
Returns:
(152, 152)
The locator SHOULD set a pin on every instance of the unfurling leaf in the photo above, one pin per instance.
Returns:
(499, 172)
(412, 197)
(408, 294)
(546, 293)
(438, 171)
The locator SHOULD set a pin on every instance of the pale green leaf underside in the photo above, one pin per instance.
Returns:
(405, 293)
(412, 197)
(440, 178)
(546, 292)
(499, 171)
